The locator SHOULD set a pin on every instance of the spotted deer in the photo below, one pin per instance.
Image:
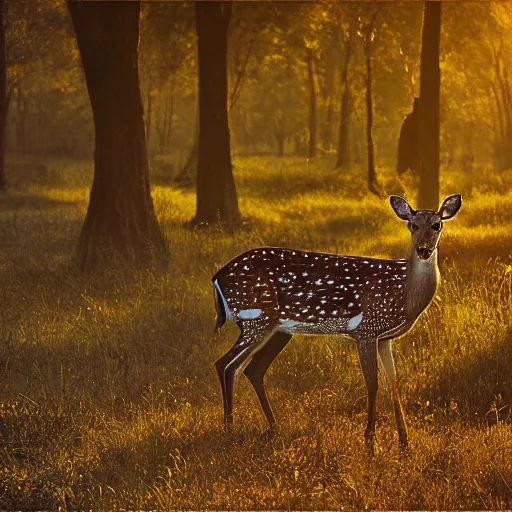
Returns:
(273, 293)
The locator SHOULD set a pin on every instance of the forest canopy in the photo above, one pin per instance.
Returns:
(275, 52)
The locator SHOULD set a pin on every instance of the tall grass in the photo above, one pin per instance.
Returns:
(108, 392)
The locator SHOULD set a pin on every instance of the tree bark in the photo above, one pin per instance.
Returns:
(313, 87)
(216, 193)
(430, 84)
(3, 99)
(120, 220)
(343, 136)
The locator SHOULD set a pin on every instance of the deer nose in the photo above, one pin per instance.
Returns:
(424, 252)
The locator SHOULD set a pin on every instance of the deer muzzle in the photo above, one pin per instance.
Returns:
(424, 252)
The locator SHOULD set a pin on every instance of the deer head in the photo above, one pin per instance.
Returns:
(426, 225)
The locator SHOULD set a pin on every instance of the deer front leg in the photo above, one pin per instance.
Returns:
(256, 369)
(227, 381)
(367, 350)
(386, 356)
(254, 334)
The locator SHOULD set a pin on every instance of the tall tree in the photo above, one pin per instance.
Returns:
(367, 32)
(328, 95)
(167, 34)
(313, 94)
(3, 98)
(120, 216)
(343, 134)
(216, 193)
(248, 23)
(430, 84)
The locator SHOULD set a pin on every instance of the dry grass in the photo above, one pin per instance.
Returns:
(109, 396)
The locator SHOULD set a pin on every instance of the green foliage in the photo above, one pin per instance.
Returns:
(109, 394)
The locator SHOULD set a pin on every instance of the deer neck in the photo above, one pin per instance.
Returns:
(421, 283)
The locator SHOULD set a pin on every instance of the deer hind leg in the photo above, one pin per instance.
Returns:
(367, 350)
(386, 356)
(254, 334)
(258, 366)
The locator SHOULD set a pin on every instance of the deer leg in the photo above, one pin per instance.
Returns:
(256, 369)
(368, 358)
(220, 365)
(386, 356)
(253, 337)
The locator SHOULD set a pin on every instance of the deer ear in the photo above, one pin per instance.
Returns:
(451, 205)
(401, 207)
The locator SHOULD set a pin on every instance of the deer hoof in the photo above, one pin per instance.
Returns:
(370, 439)
(403, 446)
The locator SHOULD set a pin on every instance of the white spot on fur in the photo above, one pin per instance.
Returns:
(354, 322)
(249, 314)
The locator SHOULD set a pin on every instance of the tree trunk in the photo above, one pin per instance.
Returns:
(329, 86)
(165, 136)
(408, 150)
(343, 136)
(21, 119)
(327, 131)
(430, 83)
(188, 172)
(161, 128)
(312, 123)
(280, 139)
(3, 99)
(373, 185)
(216, 193)
(504, 103)
(120, 219)
(168, 133)
(148, 120)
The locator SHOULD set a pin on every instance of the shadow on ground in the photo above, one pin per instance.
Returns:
(15, 201)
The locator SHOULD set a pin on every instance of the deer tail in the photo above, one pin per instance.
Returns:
(221, 307)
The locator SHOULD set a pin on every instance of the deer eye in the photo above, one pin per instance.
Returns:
(436, 226)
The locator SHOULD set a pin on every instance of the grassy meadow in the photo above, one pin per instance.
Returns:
(108, 393)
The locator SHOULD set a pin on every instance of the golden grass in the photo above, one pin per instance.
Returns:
(109, 395)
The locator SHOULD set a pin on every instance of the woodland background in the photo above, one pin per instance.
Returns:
(108, 392)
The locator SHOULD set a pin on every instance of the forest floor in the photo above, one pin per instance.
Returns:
(108, 393)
